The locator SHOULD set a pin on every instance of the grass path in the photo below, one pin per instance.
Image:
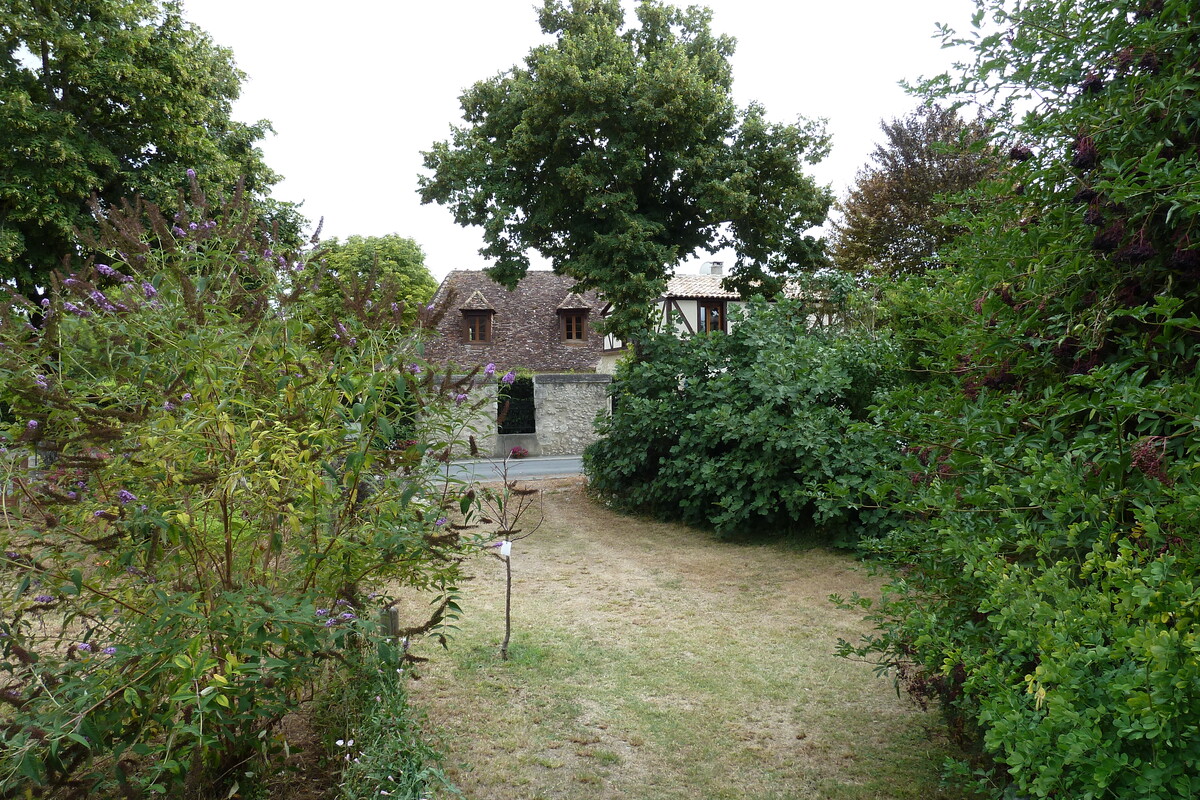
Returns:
(651, 662)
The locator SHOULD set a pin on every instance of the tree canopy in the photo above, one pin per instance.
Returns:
(892, 222)
(364, 270)
(617, 152)
(108, 98)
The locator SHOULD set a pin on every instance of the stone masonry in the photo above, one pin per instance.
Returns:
(565, 406)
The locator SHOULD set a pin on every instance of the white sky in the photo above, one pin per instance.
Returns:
(357, 89)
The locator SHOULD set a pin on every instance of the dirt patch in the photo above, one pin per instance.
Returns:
(651, 661)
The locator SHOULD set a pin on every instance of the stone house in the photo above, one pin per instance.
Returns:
(545, 326)
(542, 326)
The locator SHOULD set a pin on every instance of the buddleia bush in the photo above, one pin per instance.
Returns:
(763, 429)
(205, 513)
(1044, 590)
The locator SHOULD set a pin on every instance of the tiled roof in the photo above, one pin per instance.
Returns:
(572, 302)
(699, 286)
(476, 302)
(526, 326)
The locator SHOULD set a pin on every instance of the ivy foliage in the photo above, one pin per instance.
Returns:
(750, 431)
(617, 152)
(206, 513)
(1044, 591)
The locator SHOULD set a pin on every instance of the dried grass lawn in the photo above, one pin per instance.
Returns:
(650, 661)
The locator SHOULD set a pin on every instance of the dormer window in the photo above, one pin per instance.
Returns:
(477, 327)
(572, 319)
(477, 319)
(573, 325)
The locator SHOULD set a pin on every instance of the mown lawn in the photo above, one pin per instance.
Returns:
(650, 661)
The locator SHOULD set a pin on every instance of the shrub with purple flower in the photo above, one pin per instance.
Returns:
(276, 493)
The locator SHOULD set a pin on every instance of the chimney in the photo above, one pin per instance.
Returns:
(712, 268)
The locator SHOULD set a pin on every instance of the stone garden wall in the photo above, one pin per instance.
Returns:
(565, 406)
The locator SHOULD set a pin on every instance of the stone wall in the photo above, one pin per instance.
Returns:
(476, 418)
(565, 406)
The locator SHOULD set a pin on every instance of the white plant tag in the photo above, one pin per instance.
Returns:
(506, 549)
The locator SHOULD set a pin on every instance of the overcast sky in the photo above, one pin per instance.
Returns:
(356, 89)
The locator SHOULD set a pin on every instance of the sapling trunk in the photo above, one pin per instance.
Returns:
(507, 607)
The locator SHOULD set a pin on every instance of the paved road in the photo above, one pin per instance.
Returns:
(518, 468)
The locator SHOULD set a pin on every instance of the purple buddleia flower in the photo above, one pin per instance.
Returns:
(509, 377)
(329, 623)
(43, 598)
(105, 269)
(168, 406)
(191, 173)
(415, 369)
(109, 651)
(346, 615)
(440, 522)
(268, 253)
(187, 397)
(322, 612)
(459, 399)
(74, 309)
(125, 497)
(72, 496)
(148, 289)
(40, 380)
(45, 302)
(33, 423)
(178, 231)
(99, 299)
(84, 646)
(489, 370)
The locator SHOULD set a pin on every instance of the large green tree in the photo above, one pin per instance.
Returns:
(893, 219)
(108, 98)
(365, 271)
(617, 152)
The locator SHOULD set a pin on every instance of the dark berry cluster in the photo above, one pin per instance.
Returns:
(1148, 456)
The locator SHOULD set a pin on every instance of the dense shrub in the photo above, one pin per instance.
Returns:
(754, 429)
(1045, 589)
(216, 510)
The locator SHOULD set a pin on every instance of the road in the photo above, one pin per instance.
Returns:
(518, 468)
